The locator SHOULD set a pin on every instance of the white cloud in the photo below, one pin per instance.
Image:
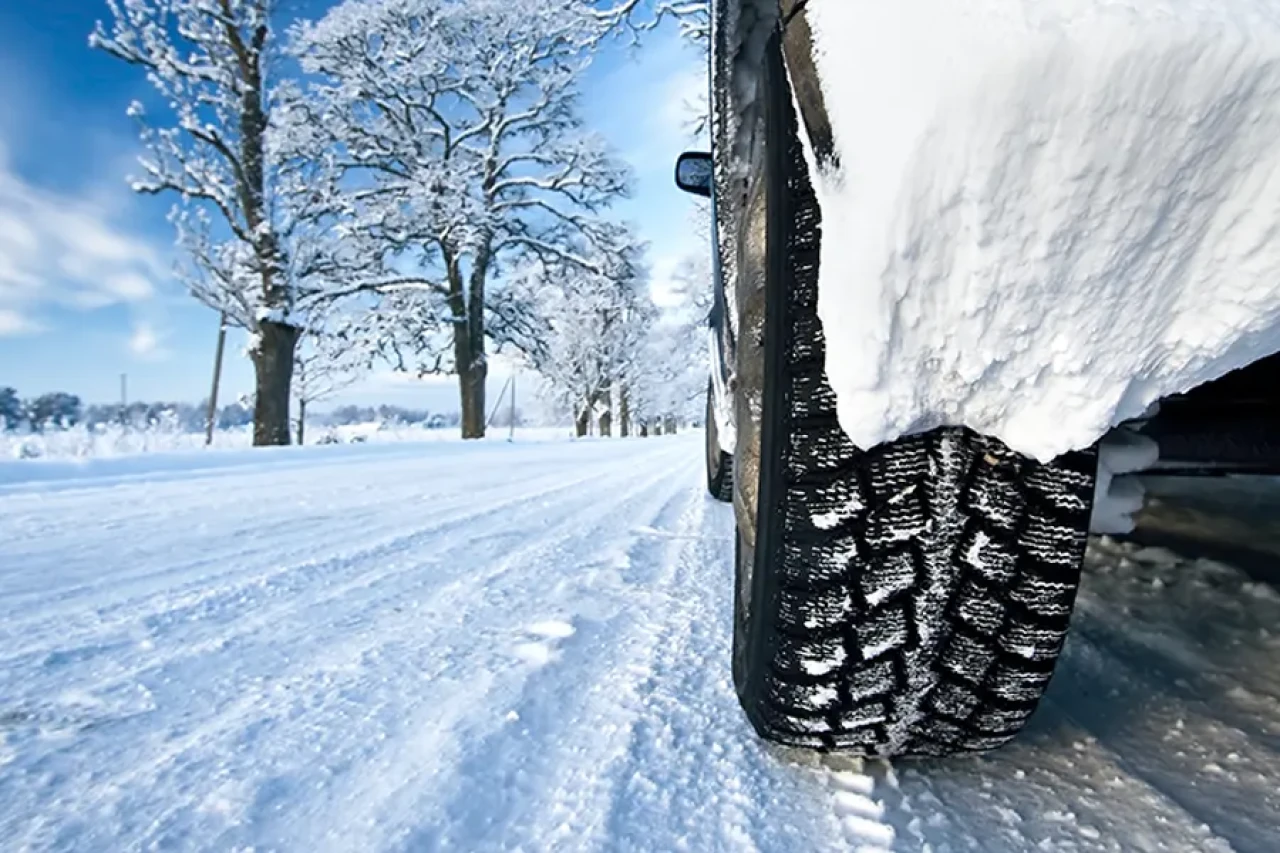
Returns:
(144, 342)
(13, 324)
(128, 286)
(64, 250)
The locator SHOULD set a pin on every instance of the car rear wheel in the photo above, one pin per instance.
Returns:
(907, 599)
(719, 463)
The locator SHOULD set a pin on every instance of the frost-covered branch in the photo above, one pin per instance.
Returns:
(638, 16)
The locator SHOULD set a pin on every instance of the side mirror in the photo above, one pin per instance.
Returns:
(693, 173)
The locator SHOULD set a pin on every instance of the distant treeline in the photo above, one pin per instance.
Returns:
(60, 410)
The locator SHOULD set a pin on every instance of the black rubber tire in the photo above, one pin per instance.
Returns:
(719, 463)
(911, 599)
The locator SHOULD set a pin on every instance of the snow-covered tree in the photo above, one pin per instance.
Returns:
(590, 339)
(456, 153)
(673, 380)
(55, 410)
(326, 362)
(635, 16)
(210, 145)
(692, 280)
(607, 351)
(11, 412)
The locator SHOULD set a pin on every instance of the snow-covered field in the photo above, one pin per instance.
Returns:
(499, 646)
(82, 442)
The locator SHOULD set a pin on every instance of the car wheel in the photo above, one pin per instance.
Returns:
(719, 463)
(907, 599)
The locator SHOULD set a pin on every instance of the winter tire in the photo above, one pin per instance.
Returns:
(719, 463)
(909, 599)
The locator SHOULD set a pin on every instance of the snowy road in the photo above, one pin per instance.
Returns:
(502, 646)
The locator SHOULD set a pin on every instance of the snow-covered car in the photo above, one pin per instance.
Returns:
(918, 348)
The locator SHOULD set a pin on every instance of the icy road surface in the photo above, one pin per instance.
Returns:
(502, 646)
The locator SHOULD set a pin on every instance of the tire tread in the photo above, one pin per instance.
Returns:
(922, 589)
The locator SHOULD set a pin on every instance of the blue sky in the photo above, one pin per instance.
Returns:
(86, 290)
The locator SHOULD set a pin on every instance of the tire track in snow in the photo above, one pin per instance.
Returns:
(579, 704)
(168, 468)
(250, 606)
(1171, 676)
(691, 774)
(663, 759)
(1179, 747)
(201, 590)
(693, 765)
(860, 812)
(109, 519)
(419, 816)
(1077, 778)
(345, 510)
(1054, 789)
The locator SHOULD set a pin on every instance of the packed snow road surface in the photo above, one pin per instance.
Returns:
(498, 646)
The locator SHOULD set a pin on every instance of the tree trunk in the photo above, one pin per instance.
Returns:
(606, 424)
(277, 342)
(471, 388)
(669, 428)
(466, 305)
(302, 420)
(583, 422)
(273, 369)
(624, 412)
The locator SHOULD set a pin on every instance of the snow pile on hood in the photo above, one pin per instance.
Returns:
(1045, 214)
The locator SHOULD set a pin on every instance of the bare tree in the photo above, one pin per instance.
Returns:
(208, 62)
(457, 153)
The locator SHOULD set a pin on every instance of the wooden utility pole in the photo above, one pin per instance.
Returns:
(212, 418)
(497, 407)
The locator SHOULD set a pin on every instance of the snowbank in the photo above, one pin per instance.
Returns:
(1045, 214)
(100, 441)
